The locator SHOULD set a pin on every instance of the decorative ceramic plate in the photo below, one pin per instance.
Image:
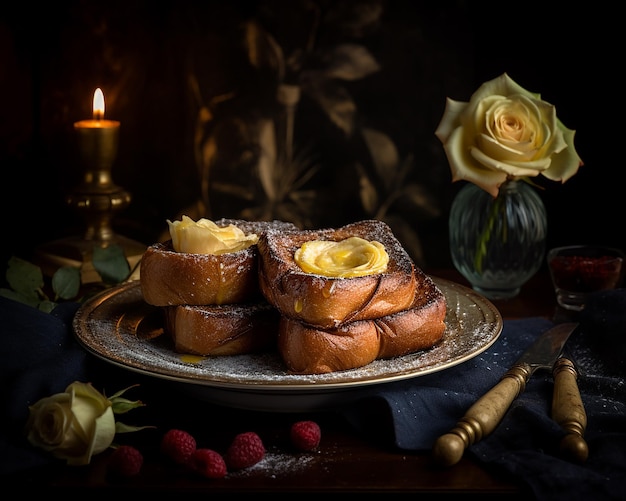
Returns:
(120, 328)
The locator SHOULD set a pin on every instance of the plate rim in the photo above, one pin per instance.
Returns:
(310, 385)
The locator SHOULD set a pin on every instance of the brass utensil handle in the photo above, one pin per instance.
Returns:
(482, 417)
(568, 410)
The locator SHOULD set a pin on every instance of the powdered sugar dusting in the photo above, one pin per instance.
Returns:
(120, 327)
(276, 464)
(281, 245)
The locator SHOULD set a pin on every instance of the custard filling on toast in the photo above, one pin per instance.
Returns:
(351, 257)
(206, 237)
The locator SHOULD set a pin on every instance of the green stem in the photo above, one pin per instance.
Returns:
(485, 235)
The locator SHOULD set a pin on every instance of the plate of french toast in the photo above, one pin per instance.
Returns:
(263, 315)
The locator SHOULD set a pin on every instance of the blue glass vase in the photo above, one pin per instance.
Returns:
(499, 243)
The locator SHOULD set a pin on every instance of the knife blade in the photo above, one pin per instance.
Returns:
(568, 409)
(487, 412)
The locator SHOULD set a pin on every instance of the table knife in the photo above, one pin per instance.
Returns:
(485, 415)
(568, 409)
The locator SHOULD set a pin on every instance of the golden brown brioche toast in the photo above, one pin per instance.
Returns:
(232, 329)
(172, 278)
(330, 302)
(308, 349)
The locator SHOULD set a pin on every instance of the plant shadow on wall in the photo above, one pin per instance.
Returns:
(289, 143)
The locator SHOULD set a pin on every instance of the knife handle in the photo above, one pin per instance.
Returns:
(568, 410)
(482, 417)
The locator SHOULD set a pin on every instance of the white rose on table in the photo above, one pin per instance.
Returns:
(73, 425)
(79, 423)
(506, 132)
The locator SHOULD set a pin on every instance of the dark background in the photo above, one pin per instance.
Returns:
(142, 54)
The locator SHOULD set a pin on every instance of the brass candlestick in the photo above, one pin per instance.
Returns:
(97, 199)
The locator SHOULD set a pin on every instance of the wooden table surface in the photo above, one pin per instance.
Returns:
(346, 460)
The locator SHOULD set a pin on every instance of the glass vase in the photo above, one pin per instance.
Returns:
(498, 244)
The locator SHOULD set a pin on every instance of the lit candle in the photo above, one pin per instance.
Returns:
(98, 138)
(98, 121)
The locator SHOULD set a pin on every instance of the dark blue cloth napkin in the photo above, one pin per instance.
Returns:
(40, 357)
(526, 443)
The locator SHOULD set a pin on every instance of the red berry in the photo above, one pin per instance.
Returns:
(305, 435)
(125, 461)
(208, 463)
(246, 449)
(178, 445)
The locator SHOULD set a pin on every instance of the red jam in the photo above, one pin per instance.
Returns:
(586, 274)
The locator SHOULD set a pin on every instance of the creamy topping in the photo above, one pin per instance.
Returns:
(351, 257)
(206, 237)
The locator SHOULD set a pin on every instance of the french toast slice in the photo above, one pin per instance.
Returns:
(170, 278)
(307, 349)
(329, 302)
(213, 330)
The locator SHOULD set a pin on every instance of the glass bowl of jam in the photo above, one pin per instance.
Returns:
(579, 270)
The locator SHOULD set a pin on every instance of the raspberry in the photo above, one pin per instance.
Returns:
(246, 450)
(125, 461)
(208, 463)
(305, 435)
(178, 445)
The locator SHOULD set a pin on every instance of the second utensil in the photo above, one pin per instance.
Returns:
(483, 417)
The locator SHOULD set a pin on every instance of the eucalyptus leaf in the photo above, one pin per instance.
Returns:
(46, 306)
(66, 282)
(111, 263)
(24, 277)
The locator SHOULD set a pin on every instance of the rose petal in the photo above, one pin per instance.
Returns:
(511, 168)
(565, 163)
(449, 119)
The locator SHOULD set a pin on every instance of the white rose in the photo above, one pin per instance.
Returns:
(505, 132)
(73, 425)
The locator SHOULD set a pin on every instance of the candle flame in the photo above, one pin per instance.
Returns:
(98, 104)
